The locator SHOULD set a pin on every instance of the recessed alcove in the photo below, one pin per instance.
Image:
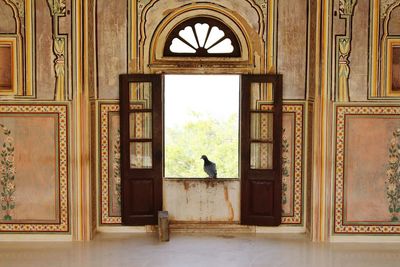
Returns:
(6, 66)
(395, 68)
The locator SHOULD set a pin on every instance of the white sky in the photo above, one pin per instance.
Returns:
(217, 95)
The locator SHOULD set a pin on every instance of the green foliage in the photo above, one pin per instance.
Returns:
(203, 135)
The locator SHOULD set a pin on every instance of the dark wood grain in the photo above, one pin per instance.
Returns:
(141, 189)
(261, 190)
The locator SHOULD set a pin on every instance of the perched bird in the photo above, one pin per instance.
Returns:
(209, 167)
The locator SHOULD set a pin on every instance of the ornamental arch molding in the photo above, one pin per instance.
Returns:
(250, 41)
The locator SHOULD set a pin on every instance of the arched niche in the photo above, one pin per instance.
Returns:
(8, 24)
(390, 53)
(394, 22)
(17, 44)
(249, 32)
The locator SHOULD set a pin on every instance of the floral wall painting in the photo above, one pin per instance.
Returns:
(287, 169)
(285, 166)
(7, 174)
(34, 168)
(367, 173)
(393, 177)
(117, 167)
(110, 174)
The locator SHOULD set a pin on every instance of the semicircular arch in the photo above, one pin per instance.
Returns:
(245, 62)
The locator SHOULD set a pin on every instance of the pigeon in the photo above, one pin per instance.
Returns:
(209, 167)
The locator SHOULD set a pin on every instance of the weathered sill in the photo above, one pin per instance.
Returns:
(206, 180)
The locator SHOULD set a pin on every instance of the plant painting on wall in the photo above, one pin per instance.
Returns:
(7, 174)
(393, 177)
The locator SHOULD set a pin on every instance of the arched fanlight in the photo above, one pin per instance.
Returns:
(202, 37)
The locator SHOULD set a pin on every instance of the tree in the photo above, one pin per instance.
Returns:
(203, 135)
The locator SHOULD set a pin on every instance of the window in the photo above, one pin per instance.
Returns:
(202, 37)
(201, 118)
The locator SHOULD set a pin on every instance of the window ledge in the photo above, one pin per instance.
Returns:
(207, 180)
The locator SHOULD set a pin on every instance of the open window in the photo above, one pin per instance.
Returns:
(142, 131)
(201, 117)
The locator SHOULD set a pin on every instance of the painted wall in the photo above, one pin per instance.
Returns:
(43, 120)
(35, 126)
(199, 201)
(365, 137)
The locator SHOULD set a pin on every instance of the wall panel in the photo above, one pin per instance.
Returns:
(34, 168)
(199, 201)
(366, 180)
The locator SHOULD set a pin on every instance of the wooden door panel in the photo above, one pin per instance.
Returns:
(262, 198)
(261, 145)
(137, 190)
(141, 148)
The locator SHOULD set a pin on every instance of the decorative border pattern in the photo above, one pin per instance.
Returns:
(106, 219)
(339, 226)
(62, 112)
(297, 217)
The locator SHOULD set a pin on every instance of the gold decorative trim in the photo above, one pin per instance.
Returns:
(339, 226)
(61, 111)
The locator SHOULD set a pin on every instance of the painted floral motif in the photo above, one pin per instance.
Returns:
(285, 166)
(346, 7)
(117, 167)
(7, 174)
(393, 176)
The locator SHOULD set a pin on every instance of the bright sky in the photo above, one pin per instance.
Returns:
(217, 95)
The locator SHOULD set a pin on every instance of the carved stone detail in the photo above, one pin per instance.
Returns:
(19, 5)
(385, 5)
(58, 9)
(344, 69)
(343, 42)
(346, 7)
(59, 67)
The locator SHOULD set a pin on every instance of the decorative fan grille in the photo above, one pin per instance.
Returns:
(202, 37)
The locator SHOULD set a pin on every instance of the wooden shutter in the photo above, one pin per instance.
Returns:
(261, 144)
(141, 148)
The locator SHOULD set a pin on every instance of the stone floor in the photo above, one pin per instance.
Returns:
(189, 250)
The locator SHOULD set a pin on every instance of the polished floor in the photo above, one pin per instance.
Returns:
(187, 250)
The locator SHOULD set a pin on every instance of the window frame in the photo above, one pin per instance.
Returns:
(202, 53)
